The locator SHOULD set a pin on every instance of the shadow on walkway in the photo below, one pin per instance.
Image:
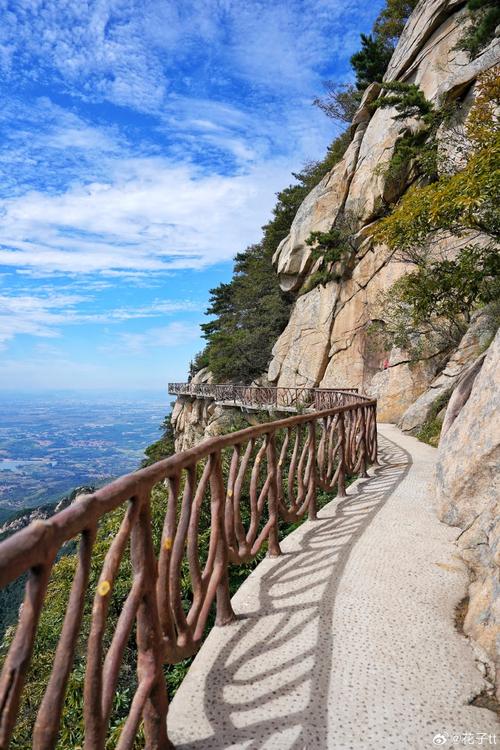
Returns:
(268, 687)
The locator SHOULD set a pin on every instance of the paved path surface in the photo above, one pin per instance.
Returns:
(347, 641)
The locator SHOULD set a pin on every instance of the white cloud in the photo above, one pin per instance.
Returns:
(42, 316)
(32, 315)
(177, 123)
(82, 197)
(133, 52)
(151, 214)
(160, 337)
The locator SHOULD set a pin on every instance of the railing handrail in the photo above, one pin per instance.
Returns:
(266, 396)
(188, 385)
(273, 470)
(27, 547)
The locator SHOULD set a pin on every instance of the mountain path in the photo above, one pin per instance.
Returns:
(347, 641)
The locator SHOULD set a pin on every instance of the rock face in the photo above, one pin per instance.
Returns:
(304, 343)
(468, 494)
(317, 213)
(480, 331)
(194, 419)
(41, 512)
(326, 341)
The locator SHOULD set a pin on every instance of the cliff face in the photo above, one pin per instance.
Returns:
(468, 494)
(326, 343)
(195, 419)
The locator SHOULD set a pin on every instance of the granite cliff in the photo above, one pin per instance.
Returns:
(468, 494)
(326, 342)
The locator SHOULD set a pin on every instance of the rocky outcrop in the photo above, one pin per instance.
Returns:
(41, 512)
(425, 19)
(316, 214)
(479, 333)
(194, 419)
(326, 342)
(468, 495)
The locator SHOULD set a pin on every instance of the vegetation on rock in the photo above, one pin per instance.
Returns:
(457, 202)
(428, 309)
(416, 151)
(484, 18)
(330, 252)
(251, 310)
(430, 431)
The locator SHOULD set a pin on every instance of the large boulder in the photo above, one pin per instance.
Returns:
(468, 497)
(480, 331)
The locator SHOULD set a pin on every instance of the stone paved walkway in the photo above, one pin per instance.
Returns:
(346, 641)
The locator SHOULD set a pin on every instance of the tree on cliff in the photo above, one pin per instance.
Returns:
(162, 448)
(251, 311)
(428, 309)
(484, 18)
(369, 63)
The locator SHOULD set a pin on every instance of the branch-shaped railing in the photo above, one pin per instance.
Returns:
(266, 396)
(245, 482)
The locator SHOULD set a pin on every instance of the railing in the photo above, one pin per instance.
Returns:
(319, 398)
(245, 481)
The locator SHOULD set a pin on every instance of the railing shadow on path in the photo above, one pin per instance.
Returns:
(267, 687)
(174, 565)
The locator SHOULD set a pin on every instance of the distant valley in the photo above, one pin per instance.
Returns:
(49, 446)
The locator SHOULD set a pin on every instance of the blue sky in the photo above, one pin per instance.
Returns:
(142, 144)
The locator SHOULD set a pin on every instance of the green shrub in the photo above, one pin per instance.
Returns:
(428, 310)
(484, 17)
(430, 431)
(417, 148)
(329, 248)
